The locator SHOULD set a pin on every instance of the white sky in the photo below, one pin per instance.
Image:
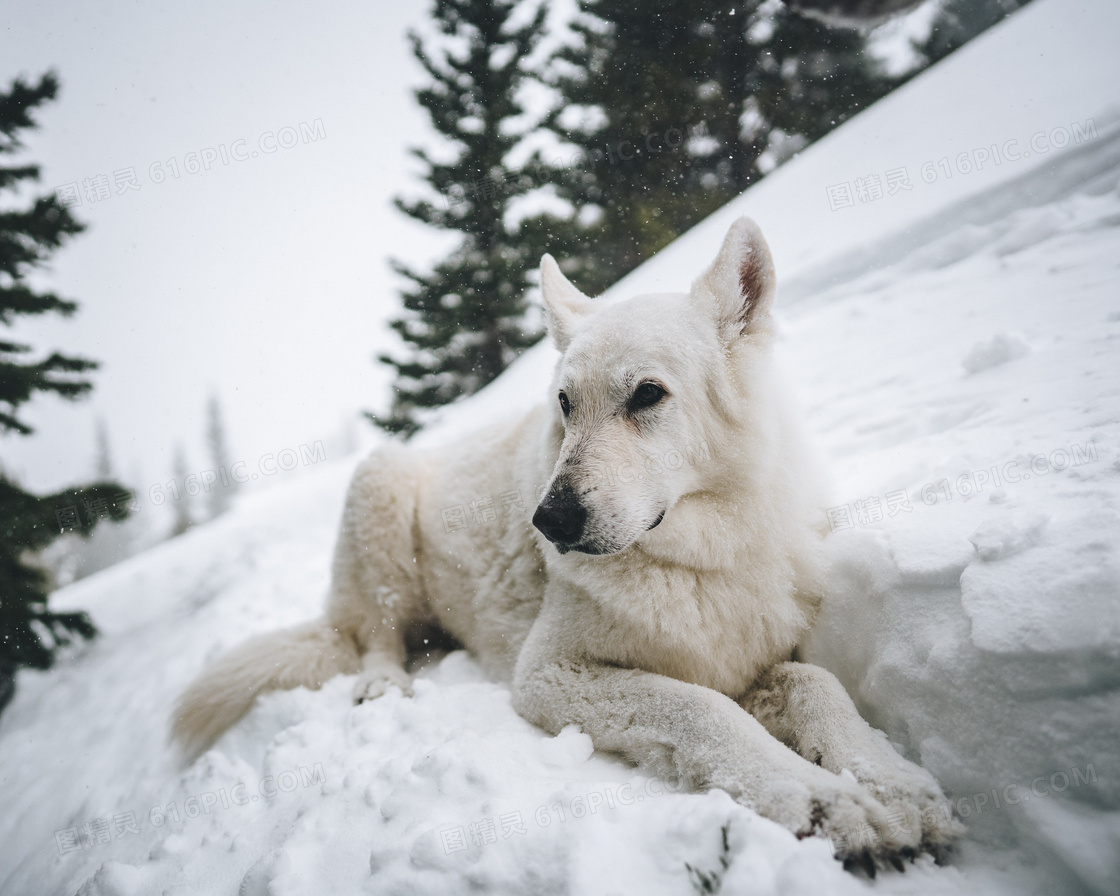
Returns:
(264, 279)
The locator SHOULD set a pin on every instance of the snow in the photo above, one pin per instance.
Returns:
(1000, 349)
(952, 345)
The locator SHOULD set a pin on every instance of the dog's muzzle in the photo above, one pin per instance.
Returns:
(561, 518)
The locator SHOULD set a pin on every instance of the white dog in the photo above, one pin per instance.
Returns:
(656, 599)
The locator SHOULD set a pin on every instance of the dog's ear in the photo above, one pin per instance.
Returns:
(739, 286)
(564, 305)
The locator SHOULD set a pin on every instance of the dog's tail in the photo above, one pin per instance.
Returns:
(306, 655)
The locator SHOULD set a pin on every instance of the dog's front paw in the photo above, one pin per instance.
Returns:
(857, 825)
(371, 685)
(915, 803)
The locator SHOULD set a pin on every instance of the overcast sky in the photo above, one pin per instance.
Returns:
(264, 278)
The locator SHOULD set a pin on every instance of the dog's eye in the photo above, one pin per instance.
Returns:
(565, 405)
(646, 395)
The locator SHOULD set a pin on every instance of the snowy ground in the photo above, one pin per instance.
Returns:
(959, 358)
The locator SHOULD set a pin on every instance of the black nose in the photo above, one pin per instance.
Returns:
(561, 517)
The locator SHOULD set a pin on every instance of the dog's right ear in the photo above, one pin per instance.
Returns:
(565, 306)
(738, 289)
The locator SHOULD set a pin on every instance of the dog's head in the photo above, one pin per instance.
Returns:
(639, 389)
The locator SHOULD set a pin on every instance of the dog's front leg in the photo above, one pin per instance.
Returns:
(381, 669)
(807, 708)
(375, 585)
(691, 732)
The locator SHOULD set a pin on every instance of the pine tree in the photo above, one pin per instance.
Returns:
(466, 320)
(103, 462)
(809, 78)
(107, 544)
(30, 633)
(184, 518)
(630, 86)
(958, 21)
(220, 494)
(685, 106)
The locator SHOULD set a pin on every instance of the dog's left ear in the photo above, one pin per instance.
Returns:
(739, 286)
(564, 305)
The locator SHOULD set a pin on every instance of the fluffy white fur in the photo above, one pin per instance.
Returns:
(667, 631)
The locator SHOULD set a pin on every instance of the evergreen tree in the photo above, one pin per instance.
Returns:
(103, 462)
(220, 494)
(104, 546)
(808, 78)
(685, 106)
(184, 518)
(466, 321)
(30, 633)
(630, 86)
(958, 21)
(27, 238)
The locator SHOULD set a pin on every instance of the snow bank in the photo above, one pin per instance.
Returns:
(975, 612)
(977, 615)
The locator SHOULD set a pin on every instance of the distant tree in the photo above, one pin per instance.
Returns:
(184, 518)
(221, 491)
(30, 231)
(466, 321)
(107, 545)
(103, 462)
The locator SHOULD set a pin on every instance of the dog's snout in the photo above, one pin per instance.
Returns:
(561, 517)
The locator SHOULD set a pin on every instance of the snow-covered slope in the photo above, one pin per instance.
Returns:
(953, 348)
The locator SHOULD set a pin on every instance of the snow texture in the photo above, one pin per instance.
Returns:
(975, 606)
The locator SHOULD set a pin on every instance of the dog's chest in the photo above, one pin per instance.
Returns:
(717, 629)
